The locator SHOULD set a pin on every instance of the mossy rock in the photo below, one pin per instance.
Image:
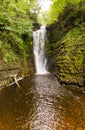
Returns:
(69, 57)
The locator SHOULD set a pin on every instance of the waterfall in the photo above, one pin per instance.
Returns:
(39, 39)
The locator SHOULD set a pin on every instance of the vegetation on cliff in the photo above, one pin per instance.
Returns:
(65, 31)
(67, 41)
(16, 25)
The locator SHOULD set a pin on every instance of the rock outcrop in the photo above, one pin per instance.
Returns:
(66, 47)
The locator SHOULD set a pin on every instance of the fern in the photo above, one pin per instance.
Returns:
(16, 23)
(58, 7)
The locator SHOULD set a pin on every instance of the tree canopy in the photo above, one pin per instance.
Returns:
(17, 19)
(16, 23)
(58, 7)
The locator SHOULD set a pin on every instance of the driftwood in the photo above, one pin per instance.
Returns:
(14, 76)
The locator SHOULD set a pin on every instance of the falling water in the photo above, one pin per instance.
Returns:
(39, 39)
(41, 103)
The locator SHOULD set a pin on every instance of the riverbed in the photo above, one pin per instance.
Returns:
(41, 103)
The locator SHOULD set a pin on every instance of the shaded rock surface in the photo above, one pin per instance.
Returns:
(10, 71)
(66, 47)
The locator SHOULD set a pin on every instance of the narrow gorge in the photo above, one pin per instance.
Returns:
(42, 68)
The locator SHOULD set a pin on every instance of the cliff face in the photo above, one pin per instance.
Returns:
(66, 47)
(17, 68)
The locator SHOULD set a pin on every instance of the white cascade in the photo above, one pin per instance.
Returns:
(39, 39)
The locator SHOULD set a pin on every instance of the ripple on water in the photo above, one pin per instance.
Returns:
(41, 105)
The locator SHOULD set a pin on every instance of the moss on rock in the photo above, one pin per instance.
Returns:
(66, 49)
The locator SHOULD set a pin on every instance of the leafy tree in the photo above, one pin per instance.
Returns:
(16, 23)
(58, 7)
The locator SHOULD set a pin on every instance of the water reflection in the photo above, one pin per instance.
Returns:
(41, 104)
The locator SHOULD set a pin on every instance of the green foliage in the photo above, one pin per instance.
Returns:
(71, 58)
(58, 7)
(16, 21)
(44, 18)
(67, 41)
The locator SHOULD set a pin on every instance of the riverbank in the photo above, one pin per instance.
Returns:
(11, 70)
